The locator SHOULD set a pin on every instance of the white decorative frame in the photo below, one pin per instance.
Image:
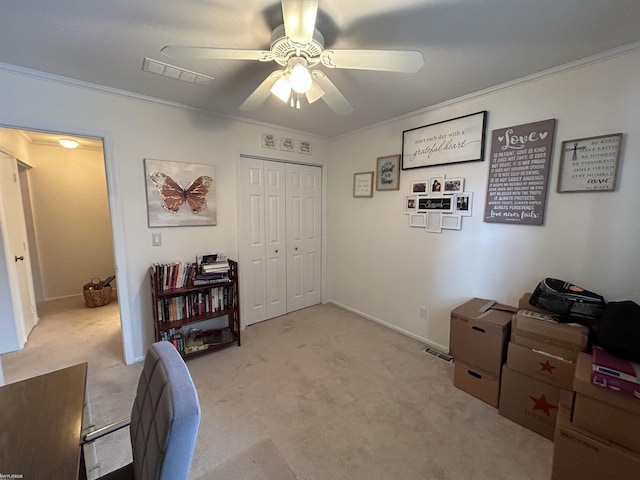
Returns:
(435, 186)
(462, 207)
(434, 222)
(287, 144)
(419, 186)
(453, 185)
(410, 204)
(304, 147)
(269, 140)
(418, 220)
(451, 222)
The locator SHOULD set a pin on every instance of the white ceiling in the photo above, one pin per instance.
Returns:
(468, 45)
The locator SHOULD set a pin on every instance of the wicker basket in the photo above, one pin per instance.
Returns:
(96, 297)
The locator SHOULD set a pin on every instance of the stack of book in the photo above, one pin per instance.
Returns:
(212, 268)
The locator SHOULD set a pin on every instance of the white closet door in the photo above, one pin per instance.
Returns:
(251, 221)
(295, 238)
(275, 238)
(312, 181)
(303, 236)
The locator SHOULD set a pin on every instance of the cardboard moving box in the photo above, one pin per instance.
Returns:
(578, 454)
(482, 385)
(529, 402)
(540, 332)
(541, 365)
(604, 412)
(479, 334)
(523, 304)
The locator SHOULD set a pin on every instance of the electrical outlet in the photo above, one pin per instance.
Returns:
(423, 313)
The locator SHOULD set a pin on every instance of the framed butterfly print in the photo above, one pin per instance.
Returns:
(180, 194)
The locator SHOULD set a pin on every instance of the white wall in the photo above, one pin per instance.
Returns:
(134, 129)
(384, 269)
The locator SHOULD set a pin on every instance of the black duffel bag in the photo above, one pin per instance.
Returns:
(619, 330)
(567, 299)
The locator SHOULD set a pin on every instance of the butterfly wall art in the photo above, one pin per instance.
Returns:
(180, 194)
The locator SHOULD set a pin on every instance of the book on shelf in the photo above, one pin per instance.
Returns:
(212, 262)
(173, 275)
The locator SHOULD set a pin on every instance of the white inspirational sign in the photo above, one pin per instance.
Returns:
(452, 141)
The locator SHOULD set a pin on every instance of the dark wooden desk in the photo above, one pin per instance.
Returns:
(40, 425)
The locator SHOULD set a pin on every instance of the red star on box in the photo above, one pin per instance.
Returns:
(547, 367)
(542, 404)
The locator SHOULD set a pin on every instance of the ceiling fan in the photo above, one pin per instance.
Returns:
(298, 47)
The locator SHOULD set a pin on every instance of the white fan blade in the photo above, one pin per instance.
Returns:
(407, 61)
(261, 93)
(314, 93)
(209, 53)
(300, 19)
(332, 95)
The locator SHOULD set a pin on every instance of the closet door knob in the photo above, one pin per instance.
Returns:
(276, 250)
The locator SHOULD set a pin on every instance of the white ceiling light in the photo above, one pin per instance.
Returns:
(282, 89)
(300, 78)
(67, 143)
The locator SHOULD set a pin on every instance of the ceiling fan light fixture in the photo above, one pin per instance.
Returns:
(300, 78)
(282, 89)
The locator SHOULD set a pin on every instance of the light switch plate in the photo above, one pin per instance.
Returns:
(156, 239)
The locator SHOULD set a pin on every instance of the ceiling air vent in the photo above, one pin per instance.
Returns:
(177, 73)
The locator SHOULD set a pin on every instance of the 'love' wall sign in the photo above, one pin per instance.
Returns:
(518, 173)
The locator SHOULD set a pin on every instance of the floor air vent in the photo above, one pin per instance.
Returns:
(436, 353)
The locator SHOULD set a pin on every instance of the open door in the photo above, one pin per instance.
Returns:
(18, 321)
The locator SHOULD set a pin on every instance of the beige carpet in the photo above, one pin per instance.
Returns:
(341, 397)
(261, 461)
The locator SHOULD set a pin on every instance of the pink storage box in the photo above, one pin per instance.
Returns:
(615, 373)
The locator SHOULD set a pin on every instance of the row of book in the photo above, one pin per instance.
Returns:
(197, 340)
(208, 269)
(173, 275)
(184, 307)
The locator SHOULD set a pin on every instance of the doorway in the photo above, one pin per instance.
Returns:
(66, 213)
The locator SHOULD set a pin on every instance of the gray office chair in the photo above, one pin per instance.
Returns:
(164, 419)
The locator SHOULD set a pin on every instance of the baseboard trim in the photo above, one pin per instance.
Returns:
(437, 346)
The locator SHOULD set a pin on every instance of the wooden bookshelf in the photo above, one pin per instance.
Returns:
(178, 311)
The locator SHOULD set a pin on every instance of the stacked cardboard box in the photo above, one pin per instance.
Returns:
(599, 435)
(540, 366)
(480, 331)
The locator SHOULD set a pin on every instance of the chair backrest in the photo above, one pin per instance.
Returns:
(165, 416)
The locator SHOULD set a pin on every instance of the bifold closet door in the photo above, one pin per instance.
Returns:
(261, 219)
(304, 239)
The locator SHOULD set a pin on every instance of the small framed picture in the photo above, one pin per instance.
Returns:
(268, 140)
(287, 144)
(419, 186)
(462, 203)
(435, 187)
(418, 220)
(363, 184)
(451, 222)
(589, 164)
(434, 222)
(410, 204)
(388, 173)
(453, 185)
